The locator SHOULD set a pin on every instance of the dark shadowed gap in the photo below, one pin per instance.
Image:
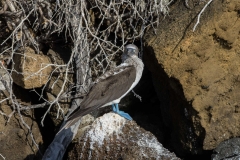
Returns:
(47, 131)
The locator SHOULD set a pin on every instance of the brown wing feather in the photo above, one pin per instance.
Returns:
(106, 90)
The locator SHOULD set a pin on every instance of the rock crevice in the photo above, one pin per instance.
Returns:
(205, 66)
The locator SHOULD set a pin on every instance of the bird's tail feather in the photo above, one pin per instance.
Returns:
(69, 123)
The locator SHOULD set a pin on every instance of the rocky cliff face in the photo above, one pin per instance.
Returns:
(196, 74)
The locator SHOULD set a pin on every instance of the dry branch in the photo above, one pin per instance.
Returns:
(97, 30)
(2, 156)
(199, 15)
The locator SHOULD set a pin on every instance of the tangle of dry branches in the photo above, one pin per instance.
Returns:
(96, 30)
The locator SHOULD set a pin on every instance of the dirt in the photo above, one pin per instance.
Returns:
(200, 71)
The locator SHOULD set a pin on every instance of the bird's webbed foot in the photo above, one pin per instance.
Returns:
(121, 113)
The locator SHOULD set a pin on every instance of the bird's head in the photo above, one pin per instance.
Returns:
(130, 51)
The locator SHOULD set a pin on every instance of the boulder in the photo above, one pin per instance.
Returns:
(31, 70)
(227, 150)
(113, 137)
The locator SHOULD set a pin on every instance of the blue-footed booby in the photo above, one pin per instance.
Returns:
(111, 87)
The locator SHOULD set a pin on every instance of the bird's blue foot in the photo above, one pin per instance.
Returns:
(121, 113)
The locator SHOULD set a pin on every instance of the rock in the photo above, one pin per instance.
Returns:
(113, 137)
(32, 70)
(196, 74)
(4, 77)
(57, 112)
(15, 140)
(86, 122)
(59, 56)
(4, 81)
(227, 150)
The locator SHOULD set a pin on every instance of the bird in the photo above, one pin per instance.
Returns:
(111, 87)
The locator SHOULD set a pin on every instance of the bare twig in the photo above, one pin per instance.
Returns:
(2, 156)
(199, 15)
(136, 95)
(98, 31)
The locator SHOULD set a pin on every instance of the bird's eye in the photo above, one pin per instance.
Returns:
(130, 50)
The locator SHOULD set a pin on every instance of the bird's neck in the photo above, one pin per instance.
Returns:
(137, 62)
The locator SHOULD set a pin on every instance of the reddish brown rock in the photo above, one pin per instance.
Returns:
(32, 70)
(197, 73)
